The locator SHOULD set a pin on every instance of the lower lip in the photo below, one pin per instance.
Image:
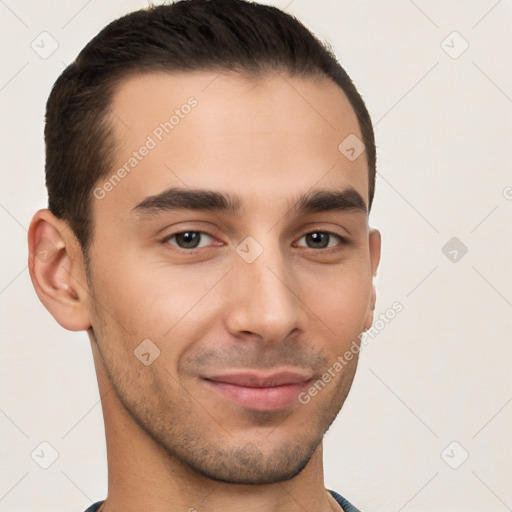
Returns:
(259, 399)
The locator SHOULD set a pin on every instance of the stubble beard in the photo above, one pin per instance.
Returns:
(186, 438)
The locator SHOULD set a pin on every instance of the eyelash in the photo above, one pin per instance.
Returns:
(167, 239)
(341, 240)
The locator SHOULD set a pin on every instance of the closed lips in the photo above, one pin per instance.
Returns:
(254, 380)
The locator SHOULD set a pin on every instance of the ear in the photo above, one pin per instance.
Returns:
(374, 247)
(57, 270)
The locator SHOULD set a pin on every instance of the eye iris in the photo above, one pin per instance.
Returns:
(188, 239)
(317, 240)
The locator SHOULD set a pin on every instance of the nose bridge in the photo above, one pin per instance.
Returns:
(264, 302)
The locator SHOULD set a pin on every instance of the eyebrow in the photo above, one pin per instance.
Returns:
(329, 200)
(197, 199)
(177, 198)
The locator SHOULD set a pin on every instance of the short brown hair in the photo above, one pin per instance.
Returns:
(188, 35)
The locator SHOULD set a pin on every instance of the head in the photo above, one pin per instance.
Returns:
(208, 228)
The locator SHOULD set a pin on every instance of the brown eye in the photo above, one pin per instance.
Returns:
(320, 240)
(190, 239)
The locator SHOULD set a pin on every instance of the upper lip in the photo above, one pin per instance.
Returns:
(261, 379)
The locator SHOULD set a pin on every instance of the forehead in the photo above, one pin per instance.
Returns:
(269, 135)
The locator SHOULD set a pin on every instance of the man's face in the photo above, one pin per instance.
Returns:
(249, 297)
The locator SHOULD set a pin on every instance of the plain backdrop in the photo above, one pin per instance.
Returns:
(427, 423)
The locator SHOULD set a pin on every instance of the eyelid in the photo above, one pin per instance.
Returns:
(325, 224)
(182, 227)
(341, 240)
(166, 239)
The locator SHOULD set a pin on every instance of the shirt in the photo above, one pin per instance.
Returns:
(347, 506)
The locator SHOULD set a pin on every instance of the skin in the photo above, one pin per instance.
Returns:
(174, 442)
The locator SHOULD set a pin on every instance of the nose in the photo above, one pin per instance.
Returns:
(263, 302)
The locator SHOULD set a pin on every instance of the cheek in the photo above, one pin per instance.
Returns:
(340, 298)
(143, 299)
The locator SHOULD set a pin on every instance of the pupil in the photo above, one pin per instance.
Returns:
(318, 240)
(189, 239)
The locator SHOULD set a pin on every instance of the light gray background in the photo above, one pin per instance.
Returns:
(439, 372)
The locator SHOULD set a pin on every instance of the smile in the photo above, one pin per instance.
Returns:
(258, 390)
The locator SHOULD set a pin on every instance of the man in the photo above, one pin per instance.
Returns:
(210, 170)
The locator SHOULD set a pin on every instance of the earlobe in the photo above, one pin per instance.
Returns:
(57, 271)
(375, 248)
(371, 308)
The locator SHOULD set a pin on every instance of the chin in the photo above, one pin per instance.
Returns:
(247, 465)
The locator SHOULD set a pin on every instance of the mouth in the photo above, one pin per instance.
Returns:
(258, 390)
